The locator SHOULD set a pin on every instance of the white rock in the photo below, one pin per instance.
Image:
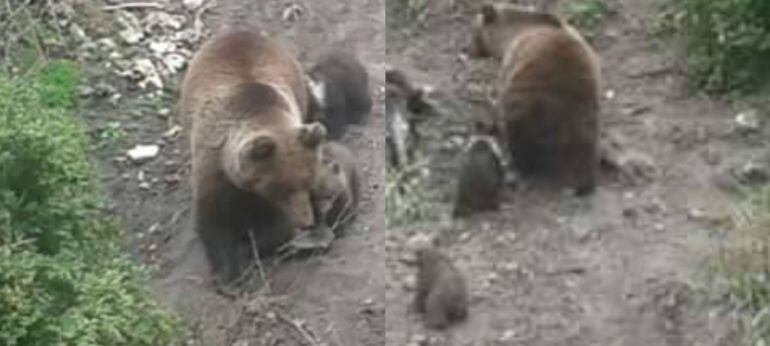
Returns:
(162, 47)
(292, 13)
(163, 20)
(132, 31)
(142, 153)
(192, 4)
(174, 62)
(146, 69)
(747, 121)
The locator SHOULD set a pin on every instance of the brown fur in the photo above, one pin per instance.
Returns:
(482, 177)
(442, 294)
(342, 86)
(548, 92)
(337, 190)
(253, 162)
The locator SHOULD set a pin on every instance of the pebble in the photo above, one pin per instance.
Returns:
(141, 153)
(747, 121)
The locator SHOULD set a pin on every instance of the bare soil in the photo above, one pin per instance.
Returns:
(615, 268)
(335, 298)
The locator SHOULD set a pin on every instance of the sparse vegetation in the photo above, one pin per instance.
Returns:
(728, 42)
(739, 275)
(403, 195)
(64, 279)
(584, 14)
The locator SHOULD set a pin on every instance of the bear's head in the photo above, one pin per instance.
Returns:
(496, 25)
(278, 164)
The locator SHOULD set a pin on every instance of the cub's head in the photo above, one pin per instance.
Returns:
(496, 25)
(331, 183)
(278, 164)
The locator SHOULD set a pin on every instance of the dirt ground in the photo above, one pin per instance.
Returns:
(616, 268)
(334, 298)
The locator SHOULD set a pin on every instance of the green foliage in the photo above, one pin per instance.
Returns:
(584, 14)
(739, 274)
(63, 277)
(728, 42)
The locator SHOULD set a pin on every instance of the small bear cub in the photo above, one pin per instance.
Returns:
(442, 295)
(482, 174)
(339, 92)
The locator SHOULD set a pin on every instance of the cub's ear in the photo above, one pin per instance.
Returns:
(259, 148)
(488, 13)
(312, 135)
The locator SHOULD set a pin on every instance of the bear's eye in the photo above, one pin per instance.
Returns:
(260, 148)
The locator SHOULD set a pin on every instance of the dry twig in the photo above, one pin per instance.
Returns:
(133, 5)
(308, 335)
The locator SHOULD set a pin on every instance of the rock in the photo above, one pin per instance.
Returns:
(747, 122)
(633, 167)
(192, 5)
(508, 335)
(163, 20)
(174, 62)
(78, 33)
(159, 48)
(292, 13)
(172, 132)
(753, 173)
(145, 70)
(418, 241)
(142, 153)
(132, 31)
(609, 94)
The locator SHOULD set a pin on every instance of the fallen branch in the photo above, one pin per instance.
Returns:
(133, 5)
(302, 330)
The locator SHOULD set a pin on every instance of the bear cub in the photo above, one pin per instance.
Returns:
(547, 93)
(481, 178)
(336, 194)
(339, 89)
(442, 295)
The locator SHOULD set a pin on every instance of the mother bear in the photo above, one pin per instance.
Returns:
(243, 101)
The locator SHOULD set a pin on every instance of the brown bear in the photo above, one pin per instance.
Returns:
(547, 92)
(253, 160)
(442, 294)
(481, 178)
(339, 90)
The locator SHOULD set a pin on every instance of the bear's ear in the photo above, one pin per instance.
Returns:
(259, 148)
(488, 13)
(311, 135)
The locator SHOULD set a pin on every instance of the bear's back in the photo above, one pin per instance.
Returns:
(232, 59)
(551, 61)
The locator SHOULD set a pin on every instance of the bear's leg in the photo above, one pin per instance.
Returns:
(436, 314)
(580, 168)
(217, 226)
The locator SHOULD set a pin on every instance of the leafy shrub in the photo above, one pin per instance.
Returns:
(728, 42)
(63, 277)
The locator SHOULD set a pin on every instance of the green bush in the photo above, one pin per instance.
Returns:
(728, 42)
(64, 279)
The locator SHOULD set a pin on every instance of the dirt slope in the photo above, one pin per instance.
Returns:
(612, 269)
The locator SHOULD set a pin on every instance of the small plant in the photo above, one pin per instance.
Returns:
(111, 134)
(584, 14)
